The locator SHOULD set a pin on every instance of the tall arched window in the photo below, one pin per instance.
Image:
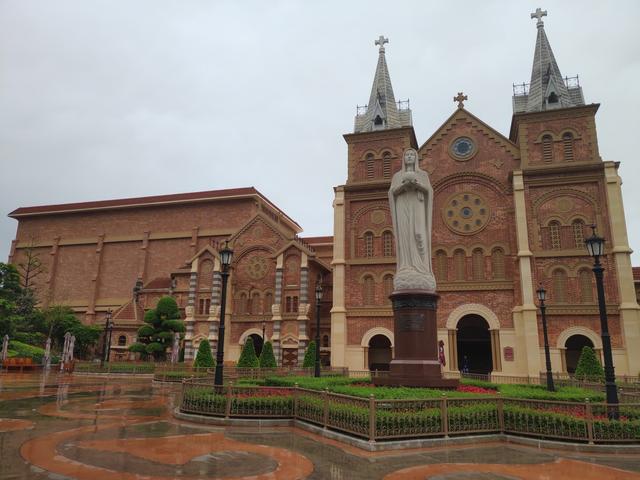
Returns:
(559, 278)
(497, 263)
(554, 234)
(387, 243)
(370, 166)
(368, 290)
(255, 303)
(547, 148)
(242, 303)
(441, 266)
(459, 264)
(585, 278)
(205, 275)
(477, 264)
(386, 165)
(578, 233)
(122, 341)
(368, 244)
(387, 285)
(268, 301)
(567, 145)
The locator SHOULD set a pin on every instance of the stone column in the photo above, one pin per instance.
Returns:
(338, 310)
(276, 309)
(190, 319)
(303, 309)
(496, 357)
(214, 310)
(453, 349)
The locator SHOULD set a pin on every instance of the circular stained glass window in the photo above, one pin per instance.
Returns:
(462, 148)
(466, 213)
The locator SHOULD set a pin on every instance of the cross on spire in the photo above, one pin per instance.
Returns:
(460, 98)
(539, 13)
(381, 41)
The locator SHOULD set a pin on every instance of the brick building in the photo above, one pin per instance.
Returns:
(510, 212)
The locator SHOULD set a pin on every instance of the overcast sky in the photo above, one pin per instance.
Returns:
(121, 98)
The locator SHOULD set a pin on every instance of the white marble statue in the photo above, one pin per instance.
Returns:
(411, 202)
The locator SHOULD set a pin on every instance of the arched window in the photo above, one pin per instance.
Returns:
(368, 290)
(441, 266)
(368, 244)
(242, 303)
(459, 264)
(477, 264)
(578, 233)
(547, 148)
(255, 303)
(559, 278)
(567, 145)
(387, 285)
(122, 341)
(387, 244)
(554, 234)
(585, 278)
(268, 301)
(386, 165)
(370, 166)
(497, 264)
(325, 341)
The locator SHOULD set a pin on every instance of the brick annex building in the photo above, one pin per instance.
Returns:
(509, 213)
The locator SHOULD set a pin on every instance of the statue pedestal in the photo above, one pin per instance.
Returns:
(415, 362)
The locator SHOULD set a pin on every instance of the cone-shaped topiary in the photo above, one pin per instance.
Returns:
(248, 358)
(310, 356)
(204, 357)
(589, 367)
(267, 359)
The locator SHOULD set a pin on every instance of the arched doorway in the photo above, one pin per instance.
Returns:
(257, 343)
(379, 352)
(474, 345)
(573, 349)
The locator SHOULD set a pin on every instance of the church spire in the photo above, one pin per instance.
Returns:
(547, 89)
(382, 112)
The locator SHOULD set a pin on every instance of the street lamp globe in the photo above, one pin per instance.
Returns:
(542, 293)
(595, 244)
(318, 292)
(226, 255)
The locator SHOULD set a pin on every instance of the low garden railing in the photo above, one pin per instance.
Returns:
(375, 419)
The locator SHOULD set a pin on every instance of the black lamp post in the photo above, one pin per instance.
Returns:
(318, 299)
(542, 296)
(595, 245)
(226, 255)
(108, 330)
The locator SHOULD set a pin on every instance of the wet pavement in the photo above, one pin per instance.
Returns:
(78, 427)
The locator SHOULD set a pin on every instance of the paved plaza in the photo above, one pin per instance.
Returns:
(92, 428)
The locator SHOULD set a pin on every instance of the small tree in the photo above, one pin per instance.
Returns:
(204, 357)
(310, 356)
(160, 326)
(589, 367)
(267, 359)
(248, 358)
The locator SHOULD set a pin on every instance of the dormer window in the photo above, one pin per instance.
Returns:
(378, 120)
(553, 98)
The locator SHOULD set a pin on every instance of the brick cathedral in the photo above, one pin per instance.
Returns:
(510, 213)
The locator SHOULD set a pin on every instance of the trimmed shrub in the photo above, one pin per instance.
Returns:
(310, 356)
(23, 350)
(248, 357)
(589, 367)
(204, 357)
(267, 358)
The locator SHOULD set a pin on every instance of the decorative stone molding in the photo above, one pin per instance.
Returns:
(369, 334)
(569, 332)
(247, 333)
(473, 309)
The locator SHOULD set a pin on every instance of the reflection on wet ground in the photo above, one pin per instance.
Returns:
(54, 427)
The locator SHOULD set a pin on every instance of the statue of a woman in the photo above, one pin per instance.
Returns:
(411, 202)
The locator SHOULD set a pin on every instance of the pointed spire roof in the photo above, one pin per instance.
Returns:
(382, 112)
(548, 89)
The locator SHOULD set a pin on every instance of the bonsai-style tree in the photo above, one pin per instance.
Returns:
(589, 367)
(248, 358)
(160, 326)
(267, 359)
(204, 357)
(310, 356)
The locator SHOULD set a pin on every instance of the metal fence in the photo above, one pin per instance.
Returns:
(381, 419)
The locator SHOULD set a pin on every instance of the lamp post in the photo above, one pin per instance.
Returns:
(226, 255)
(264, 324)
(318, 299)
(595, 245)
(108, 329)
(542, 296)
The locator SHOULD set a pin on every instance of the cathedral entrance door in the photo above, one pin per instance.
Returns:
(379, 353)
(257, 343)
(574, 346)
(289, 357)
(474, 345)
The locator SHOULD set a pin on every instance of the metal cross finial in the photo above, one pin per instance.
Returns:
(460, 98)
(381, 41)
(539, 13)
